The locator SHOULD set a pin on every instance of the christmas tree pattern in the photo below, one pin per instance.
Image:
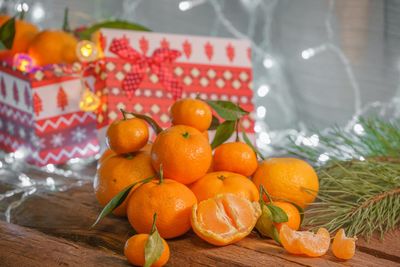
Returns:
(62, 99)
(37, 104)
(3, 87)
(15, 93)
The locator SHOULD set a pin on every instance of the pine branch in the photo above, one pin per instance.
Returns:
(360, 196)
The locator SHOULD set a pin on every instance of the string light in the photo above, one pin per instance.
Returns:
(358, 129)
(261, 111)
(263, 90)
(268, 62)
(89, 101)
(23, 62)
(86, 51)
(186, 5)
(38, 12)
(22, 7)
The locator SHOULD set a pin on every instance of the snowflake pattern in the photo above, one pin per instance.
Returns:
(57, 140)
(79, 134)
(37, 142)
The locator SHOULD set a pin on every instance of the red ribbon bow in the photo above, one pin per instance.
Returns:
(159, 64)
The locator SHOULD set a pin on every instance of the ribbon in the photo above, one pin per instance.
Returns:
(159, 63)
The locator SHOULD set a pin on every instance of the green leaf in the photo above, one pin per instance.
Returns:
(265, 225)
(227, 110)
(248, 142)
(154, 245)
(66, 26)
(214, 123)
(117, 24)
(7, 33)
(224, 131)
(2, 46)
(118, 199)
(278, 214)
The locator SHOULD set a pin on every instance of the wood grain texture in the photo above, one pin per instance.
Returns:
(21, 246)
(65, 218)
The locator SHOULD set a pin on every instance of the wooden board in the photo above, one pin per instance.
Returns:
(53, 229)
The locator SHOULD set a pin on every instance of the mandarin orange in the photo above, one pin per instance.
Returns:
(127, 135)
(235, 157)
(171, 200)
(191, 112)
(183, 152)
(53, 47)
(293, 214)
(118, 172)
(288, 179)
(134, 251)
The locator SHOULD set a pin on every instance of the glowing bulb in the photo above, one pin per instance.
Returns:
(261, 111)
(37, 12)
(186, 5)
(268, 62)
(22, 7)
(358, 129)
(306, 54)
(86, 51)
(263, 90)
(89, 101)
(23, 62)
(323, 157)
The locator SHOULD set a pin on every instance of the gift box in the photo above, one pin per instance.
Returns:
(144, 72)
(40, 115)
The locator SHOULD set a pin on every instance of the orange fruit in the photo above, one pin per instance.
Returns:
(171, 200)
(224, 219)
(205, 134)
(343, 247)
(106, 154)
(191, 112)
(215, 183)
(288, 179)
(53, 47)
(127, 135)
(24, 33)
(293, 214)
(305, 242)
(235, 157)
(118, 172)
(183, 152)
(134, 251)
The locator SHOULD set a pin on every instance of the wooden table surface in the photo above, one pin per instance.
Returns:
(52, 229)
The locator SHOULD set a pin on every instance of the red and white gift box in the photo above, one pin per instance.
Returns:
(144, 72)
(39, 114)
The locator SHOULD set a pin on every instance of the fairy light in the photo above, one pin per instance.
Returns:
(23, 62)
(89, 101)
(261, 111)
(38, 12)
(323, 157)
(268, 62)
(86, 51)
(186, 5)
(263, 90)
(22, 7)
(308, 53)
(358, 129)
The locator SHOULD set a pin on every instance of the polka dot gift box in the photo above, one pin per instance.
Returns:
(144, 72)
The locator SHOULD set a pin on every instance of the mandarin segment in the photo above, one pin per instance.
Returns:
(127, 135)
(215, 183)
(171, 200)
(305, 242)
(183, 152)
(288, 179)
(118, 172)
(343, 247)
(134, 251)
(224, 219)
(235, 157)
(191, 112)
